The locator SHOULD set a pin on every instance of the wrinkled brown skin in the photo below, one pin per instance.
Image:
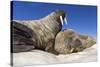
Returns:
(44, 34)
(46, 30)
(69, 42)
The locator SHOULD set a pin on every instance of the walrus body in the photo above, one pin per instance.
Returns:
(45, 34)
(46, 30)
(68, 41)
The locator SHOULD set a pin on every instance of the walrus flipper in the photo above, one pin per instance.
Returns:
(21, 38)
(21, 44)
(21, 29)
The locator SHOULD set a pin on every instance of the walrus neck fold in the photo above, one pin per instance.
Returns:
(52, 23)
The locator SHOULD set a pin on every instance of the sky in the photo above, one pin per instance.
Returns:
(81, 18)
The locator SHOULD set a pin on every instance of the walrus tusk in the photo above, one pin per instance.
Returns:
(61, 20)
(72, 50)
(65, 20)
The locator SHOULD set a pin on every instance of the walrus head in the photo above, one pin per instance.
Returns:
(70, 41)
(54, 21)
(58, 17)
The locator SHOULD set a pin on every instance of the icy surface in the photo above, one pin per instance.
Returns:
(40, 57)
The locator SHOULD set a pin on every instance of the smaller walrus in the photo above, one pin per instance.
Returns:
(69, 41)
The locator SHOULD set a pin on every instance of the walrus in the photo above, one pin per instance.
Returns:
(45, 30)
(69, 41)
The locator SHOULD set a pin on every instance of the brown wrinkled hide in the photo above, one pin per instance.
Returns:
(45, 34)
(69, 41)
(46, 30)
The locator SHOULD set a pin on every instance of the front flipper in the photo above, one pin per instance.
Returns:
(21, 29)
(50, 47)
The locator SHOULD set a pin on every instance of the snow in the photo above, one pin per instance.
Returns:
(36, 57)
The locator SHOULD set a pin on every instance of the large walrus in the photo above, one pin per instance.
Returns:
(69, 41)
(45, 30)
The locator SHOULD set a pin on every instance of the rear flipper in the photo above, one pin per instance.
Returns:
(21, 44)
